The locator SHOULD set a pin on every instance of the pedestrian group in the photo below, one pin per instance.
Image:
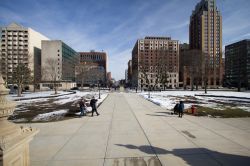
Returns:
(83, 106)
(179, 109)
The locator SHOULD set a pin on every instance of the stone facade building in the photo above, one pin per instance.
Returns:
(58, 64)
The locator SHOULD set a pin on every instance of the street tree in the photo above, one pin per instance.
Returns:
(51, 73)
(21, 75)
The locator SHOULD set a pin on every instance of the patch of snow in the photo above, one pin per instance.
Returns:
(36, 94)
(19, 120)
(168, 99)
(55, 115)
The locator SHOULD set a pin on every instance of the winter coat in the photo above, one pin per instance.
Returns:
(181, 107)
(93, 103)
(82, 104)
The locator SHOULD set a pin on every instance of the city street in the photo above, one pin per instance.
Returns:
(133, 131)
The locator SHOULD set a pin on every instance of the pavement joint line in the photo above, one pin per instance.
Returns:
(234, 126)
(210, 130)
(204, 152)
(70, 138)
(207, 129)
(156, 155)
(110, 128)
(191, 140)
(219, 134)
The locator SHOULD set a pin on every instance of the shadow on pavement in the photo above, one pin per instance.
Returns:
(166, 114)
(196, 156)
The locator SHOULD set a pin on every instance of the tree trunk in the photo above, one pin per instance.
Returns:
(149, 93)
(82, 84)
(55, 88)
(239, 85)
(206, 86)
(19, 90)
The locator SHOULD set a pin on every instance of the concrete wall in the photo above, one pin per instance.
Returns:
(51, 51)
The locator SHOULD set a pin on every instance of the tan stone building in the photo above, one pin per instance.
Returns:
(205, 34)
(155, 63)
(20, 45)
(58, 64)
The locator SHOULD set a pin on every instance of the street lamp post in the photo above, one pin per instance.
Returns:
(99, 89)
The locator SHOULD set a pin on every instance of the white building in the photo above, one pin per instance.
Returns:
(20, 45)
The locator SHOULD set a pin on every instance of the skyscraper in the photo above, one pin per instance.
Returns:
(205, 34)
(20, 45)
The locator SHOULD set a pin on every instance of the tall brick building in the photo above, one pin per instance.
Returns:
(155, 63)
(205, 34)
(92, 68)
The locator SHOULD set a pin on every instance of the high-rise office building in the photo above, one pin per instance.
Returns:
(155, 63)
(20, 45)
(237, 64)
(58, 64)
(205, 34)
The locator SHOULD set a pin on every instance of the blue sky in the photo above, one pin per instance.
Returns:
(115, 25)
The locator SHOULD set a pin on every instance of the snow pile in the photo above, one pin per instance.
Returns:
(55, 115)
(29, 95)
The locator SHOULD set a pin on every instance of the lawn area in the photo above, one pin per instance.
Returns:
(222, 113)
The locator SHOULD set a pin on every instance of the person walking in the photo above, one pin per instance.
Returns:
(176, 108)
(93, 106)
(181, 109)
(82, 107)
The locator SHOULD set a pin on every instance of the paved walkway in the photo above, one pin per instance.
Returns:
(134, 132)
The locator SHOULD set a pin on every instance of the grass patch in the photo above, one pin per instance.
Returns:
(225, 113)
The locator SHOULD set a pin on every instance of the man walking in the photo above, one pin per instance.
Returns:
(82, 107)
(93, 106)
(181, 109)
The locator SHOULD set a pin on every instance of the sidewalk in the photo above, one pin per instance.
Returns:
(133, 131)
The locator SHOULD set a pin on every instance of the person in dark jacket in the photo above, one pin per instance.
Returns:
(176, 108)
(181, 109)
(93, 106)
(82, 107)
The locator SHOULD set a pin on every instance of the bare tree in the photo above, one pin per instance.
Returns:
(51, 73)
(82, 73)
(21, 75)
(144, 75)
(193, 61)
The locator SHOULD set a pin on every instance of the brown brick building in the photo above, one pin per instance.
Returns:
(155, 63)
(205, 34)
(92, 68)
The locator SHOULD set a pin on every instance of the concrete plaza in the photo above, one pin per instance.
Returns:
(132, 131)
